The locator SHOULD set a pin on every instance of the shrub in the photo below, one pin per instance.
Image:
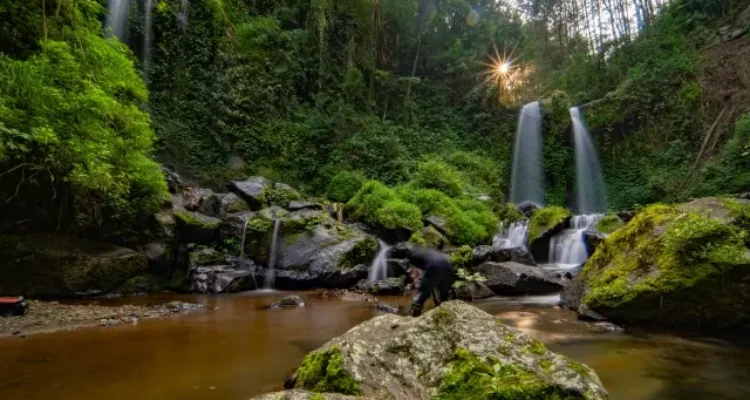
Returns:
(508, 213)
(399, 214)
(434, 174)
(345, 185)
(366, 203)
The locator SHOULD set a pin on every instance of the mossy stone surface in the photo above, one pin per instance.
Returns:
(546, 219)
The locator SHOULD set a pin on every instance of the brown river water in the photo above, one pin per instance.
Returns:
(238, 350)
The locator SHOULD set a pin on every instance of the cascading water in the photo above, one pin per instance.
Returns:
(183, 17)
(568, 247)
(527, 180)
(379, 267)
(514, 235)
(591, 192)
(117, 18)
(147, 37)
(242, 259)
(271, 271)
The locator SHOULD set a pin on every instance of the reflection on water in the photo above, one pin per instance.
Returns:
(239, 350)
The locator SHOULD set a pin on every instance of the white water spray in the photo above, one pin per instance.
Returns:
(568, 248)
(379, 267)
(183, 16)
(147, 38)
(591, 193)
(513, 235)
(117, 18)
(271, 271)
(527, 183)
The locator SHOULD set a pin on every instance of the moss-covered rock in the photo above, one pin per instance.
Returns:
(141, 284)
(193, 227)
(281, 195)
(253, 190)
(671, 265)
(455, 351)
(430, 237)
(47, 265)
(305, 395)
(546, 220)
(609, 223)
(231, 203)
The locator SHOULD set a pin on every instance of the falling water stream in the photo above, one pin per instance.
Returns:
(117, 18)
(527, 183)
(379, 267)
(271, 271)
(568, 248)
(183, 16)
(591, 192)
(147, 38)
(512, 235)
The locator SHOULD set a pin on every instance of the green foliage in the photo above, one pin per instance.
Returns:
(363, 252)
(368, 201)
(545, 219)
(461, 258)
(345, 185)
(440, 176)
(609, 223)
(323, 372)
(399, 214)
(71, 123)
(467, 278)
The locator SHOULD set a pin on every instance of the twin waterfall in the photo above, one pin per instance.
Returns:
(527, 185)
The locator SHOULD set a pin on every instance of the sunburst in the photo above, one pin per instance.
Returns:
(500, 73)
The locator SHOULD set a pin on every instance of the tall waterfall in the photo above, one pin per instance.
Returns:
(379, 267)
(271, 271)
(117, 18)
(147, 37)
(513, 235)
(591, 193)
(183, 16)
(568, 247)
(527, 183)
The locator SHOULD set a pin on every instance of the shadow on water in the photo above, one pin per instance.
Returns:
(236, 350)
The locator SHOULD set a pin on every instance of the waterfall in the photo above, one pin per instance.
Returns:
(117, 18)
(379, 267)
(147, 37)
(183, 16)
(270, 272)
(527, 180)
(514, 235)
(568, 247)
(243, 260)
(591, 192)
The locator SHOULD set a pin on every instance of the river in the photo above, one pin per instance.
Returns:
(236, 350)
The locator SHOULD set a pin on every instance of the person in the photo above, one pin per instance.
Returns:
(437, 277)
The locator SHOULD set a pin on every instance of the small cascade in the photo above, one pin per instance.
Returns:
(147, 37)
(183, 16)
(271, 271)
(591, 196)
(527, 182)
(243, 259)
(117, 18)
(379, 267)
(568, 247)
(514, 235)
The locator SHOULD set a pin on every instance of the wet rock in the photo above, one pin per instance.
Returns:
(401, 250)
(203, 256)
(455, 348)
(281, 195)
(231, 203)
(587, 314)
(484, 253)
(430, 237)
(289, 301)
(626, 216)
(602, 327)
(193, 227)
(388, 308)
(253, 190)
(45, 265)
(511, 278)
(220, 279)
(141, 284)
(592, 239)
(232, 224)
(473, 291)
(385, 287)
(438, 222)
(527, 208)
(174, 182)
(296, 205)
(344, 294)
(303, 395)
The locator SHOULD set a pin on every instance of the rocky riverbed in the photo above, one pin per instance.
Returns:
(45, 317)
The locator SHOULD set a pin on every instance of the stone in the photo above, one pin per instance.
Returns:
(602, 327)
(438, 222)
(193, 227)
(527, 208)
(281, 195)
(430, 237)
(141, 284)
(230, 204)
(253, 190)
(587, 314)
(38, 265)
(204, 256)
(216, 279)
(473, 291)
(304, 395)
(174, 182)
(511, 278)
(296, 205)
(453, 351)
(388, 308)
(484, 253)
(384, 287)
(289, 301)
(592, 239)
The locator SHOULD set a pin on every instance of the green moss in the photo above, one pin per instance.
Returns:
(536, 347)
(547, 364)
(461, 258)
(318, 396)
(469, 378)
(281, 196)
(508, 213)
(545, 219)
(345, 185)
(578, 367)
(510, 336)
(396, 214)
(428, 237)
(323, 372)
(189, 218)
(238, 205)
(362, 253)
(609, 223)
(258, 226)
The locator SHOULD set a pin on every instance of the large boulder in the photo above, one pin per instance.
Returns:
(253, 190)
(231, 203)
(64, 266)
(684, 266)
(220, 279)
(473, 291)
(281, 195)
(511, 278)
(455, 351)
(545, 223)
(193, 227)
(484, 253)
(384, 287)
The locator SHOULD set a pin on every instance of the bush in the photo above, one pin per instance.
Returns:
(434, 174)
(345, 185)
(370, 198)
(399, 214)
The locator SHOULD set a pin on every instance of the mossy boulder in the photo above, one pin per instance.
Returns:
(146, 283)
(430, 237)
(64, 266)
(253, 190)
(281, 195)
(609, 223)
(231, 203)
(305, 395)
(683, 266)
(455, 351)
(547, 220)
(193, 227)
(514, 279)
